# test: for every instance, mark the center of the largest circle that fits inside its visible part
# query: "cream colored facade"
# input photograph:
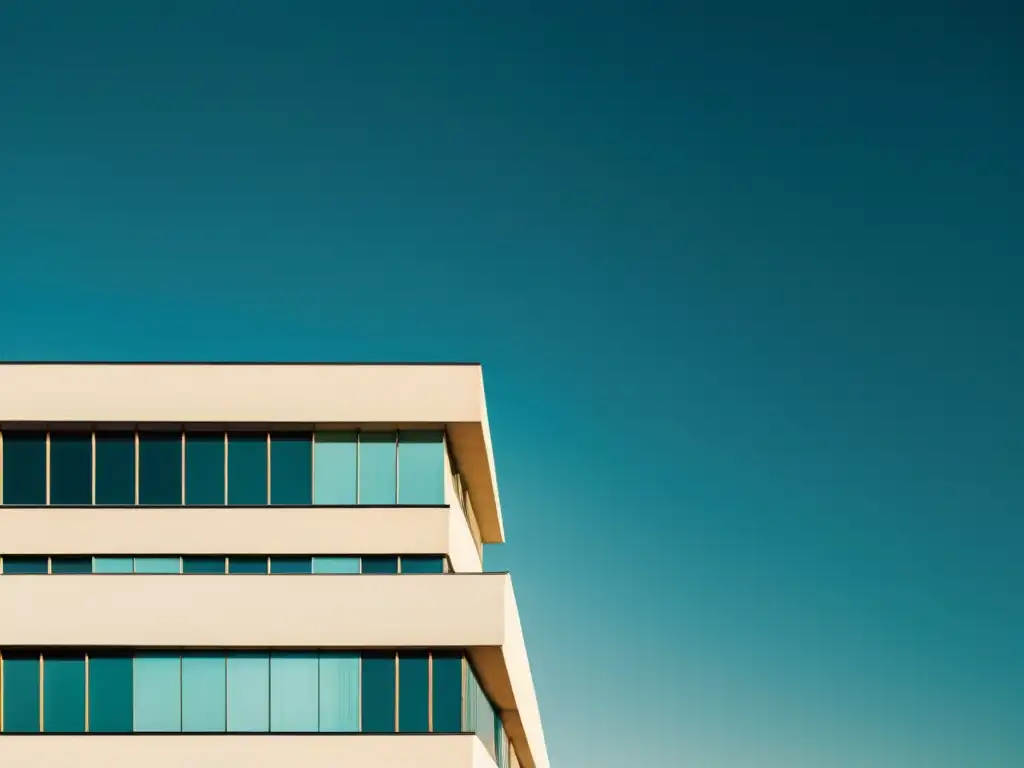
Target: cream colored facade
(466, 609)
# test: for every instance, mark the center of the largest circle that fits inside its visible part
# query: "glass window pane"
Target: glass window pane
(447, 693)
(110, 694)
(378, 564)
(418, 564)
(203, 565)
(248, 692)
(339, 692)
(294, 692)
(21, 564)
(204, 468)
(247, 469)
(24, 468)
(247, 564)
(115, 468)
(203, 692)
(113, 565)
(157, 565)
(70, 565)
(378, 685)
(70, 468)
(291, 565)
(157, 692)
(291, 468)
(413, 693)
(335, 465)
(335, 565)
(21, 692)
(378, 478)
(160, 469)
(420, 467)
(64, 694)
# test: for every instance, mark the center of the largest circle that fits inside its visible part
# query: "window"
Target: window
(378, 564)
(294, 692)
(378, 475)
(339, 692)
(115, 468)
(71, 468)
(24, 468)
(378, 686)
(160, 469)
(113, 565)
(21, 692)
(248, 692)
(70, 565)
(291, 565)
(447, 693)
(110, 694)
(335, 565)
(335, 468)
(420, 467)
(204, 468)
(23, 564)
(247, 469)
(417, 564)
(203, 565)
(413, 693)
(157, 565)
(203, 692)
(247, 564)
(64, 694)
(291, 468)
(157, 692)
(479, 712)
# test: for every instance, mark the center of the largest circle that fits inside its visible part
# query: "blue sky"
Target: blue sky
(745, 279)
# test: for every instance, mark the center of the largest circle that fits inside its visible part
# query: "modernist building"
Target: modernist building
(255, 566)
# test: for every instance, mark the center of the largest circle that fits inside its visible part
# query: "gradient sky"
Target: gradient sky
(745, 278)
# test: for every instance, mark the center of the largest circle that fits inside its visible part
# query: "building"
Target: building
(255, 565)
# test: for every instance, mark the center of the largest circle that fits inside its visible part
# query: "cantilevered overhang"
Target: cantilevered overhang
(318, 396)
(475, 612)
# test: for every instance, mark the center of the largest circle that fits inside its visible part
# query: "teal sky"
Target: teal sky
(745, 278)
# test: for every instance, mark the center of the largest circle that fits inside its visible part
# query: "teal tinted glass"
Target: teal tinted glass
(70, 565)
(115, 468)
(378, 470)
(378, 686)
(113, 565)
(64, 694)
(157, 565)
(413, 692)
(157, 692)
(335, 468)
(247, 564)
(339, 692)
(70, 468)
(248, 692)
(291, 468)
(110, 694)
(21, 693)
(247, 469)
(335, 565)
(447, 693)
(24, 468)
(380, 564)
(291, 565)
(420, 467)
(24, 564)
(204, 468)
(203, 692)
(160, 469)
(294, 692)
(203, 565)
(419, 564)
